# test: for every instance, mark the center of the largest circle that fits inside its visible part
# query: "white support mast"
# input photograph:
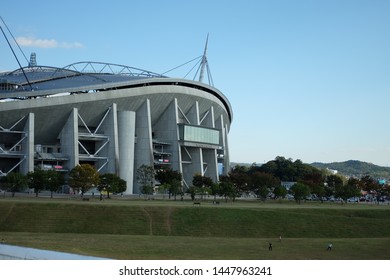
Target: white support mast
(204, 61)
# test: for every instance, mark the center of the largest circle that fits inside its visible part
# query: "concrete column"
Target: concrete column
(69, 136)
(210, 157)
(209, 119)
(220, 124)
(226, 151)
(126, 140)
(143, 131)
(166, 129)
(196, 165)
(28, 145)
(193, 114)
(111, 150)
(144, 145)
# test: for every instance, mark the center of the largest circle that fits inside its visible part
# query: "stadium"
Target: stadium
(114, 117)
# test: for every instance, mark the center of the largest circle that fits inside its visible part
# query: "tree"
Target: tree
(44, 179)
(227, 188)
(385, 190)
(83, 178)
(262, 183)
(300, 191)
(287, 170)
(369, 184)
(192, 191)
(239, 176)
(111, 183)
(175, 188)
(333, 182)
(314, 179)
(171, 180)
(147, 190)
(318, 190)
(280, 191)
(351, 189)
(53, 180)
(197, 181)
(167, 175)
(36, 180)
(282, 168)
(262, 192)
(203, 183)
(215, 189)
(15, 182)
(145, 177)
(207, 184)
(120, 185)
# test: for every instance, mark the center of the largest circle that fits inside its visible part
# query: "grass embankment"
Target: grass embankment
(179, 230)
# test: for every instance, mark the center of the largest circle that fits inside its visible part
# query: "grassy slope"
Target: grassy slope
(168, 230)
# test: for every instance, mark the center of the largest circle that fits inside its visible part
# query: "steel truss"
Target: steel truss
(14, 151)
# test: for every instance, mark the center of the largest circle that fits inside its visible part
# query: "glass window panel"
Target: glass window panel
(199, 134)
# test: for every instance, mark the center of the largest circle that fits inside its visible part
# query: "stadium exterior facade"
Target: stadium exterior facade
(114, 117)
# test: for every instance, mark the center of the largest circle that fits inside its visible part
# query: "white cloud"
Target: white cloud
(46, 43)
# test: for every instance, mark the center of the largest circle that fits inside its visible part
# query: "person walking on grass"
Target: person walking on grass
(330, 246)
(270, 247)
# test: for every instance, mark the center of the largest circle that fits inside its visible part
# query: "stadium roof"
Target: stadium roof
(84, 77)
(29, 81)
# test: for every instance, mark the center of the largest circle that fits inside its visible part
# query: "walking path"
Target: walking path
(11, 252)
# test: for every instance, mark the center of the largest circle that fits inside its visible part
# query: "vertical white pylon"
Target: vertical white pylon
(204, 61)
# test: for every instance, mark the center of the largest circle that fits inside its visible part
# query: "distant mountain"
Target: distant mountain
(356, 168)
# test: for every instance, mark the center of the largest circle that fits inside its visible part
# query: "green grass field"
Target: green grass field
(162, 229)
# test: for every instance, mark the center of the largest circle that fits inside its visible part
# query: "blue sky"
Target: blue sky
(307, 79)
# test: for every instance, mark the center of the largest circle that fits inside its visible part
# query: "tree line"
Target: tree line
(81, 179)
(263, 182)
